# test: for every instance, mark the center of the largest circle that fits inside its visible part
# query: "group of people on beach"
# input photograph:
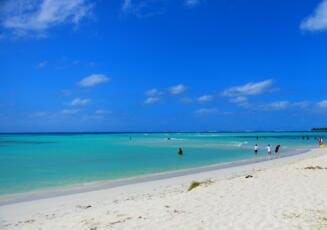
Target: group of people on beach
(320, 140)
(268, 148)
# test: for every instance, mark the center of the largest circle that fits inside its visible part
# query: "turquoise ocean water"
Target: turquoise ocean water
(30, 162)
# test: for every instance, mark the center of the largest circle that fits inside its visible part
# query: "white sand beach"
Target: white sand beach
(288, 193)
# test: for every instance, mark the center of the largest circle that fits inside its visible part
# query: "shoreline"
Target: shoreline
(115, 183)
(286, 193)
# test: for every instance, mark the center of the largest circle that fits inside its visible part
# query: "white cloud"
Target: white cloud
(177, 89)
(153, 92)
(69, 111)
(238, 100)
(317, 21)
(251, 88)
(322, 104)
(42, 64)
(206, 111)
(151, 100)
(37, 16)
(302, 104)
(94, 80)
(278, 105)
(103, 112)
(80, 102)
(192, 3)
(205, 98)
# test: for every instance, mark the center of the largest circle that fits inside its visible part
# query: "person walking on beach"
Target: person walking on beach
(256, 149)
(269, 150)
(277, 150)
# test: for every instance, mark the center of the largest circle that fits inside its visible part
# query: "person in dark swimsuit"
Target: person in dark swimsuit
(277, 149)
(180, 152)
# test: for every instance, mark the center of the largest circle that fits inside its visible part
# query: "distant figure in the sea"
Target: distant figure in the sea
(168, 138)
(321, 141)
(256, 149)
(257, 137)
(277, 150)
(303, 137)
(269, 150)
(180, 152)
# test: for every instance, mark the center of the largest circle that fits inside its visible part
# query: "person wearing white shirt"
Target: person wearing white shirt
(269, 150)
(256, 149)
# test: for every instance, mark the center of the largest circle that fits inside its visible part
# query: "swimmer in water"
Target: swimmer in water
(180, 152)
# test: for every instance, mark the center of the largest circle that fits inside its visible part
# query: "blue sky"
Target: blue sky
(157, 65)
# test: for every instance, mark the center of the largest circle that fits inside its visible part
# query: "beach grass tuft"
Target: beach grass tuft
(196, 184)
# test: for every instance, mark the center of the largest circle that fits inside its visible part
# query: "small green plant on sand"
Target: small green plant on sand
(195, 184)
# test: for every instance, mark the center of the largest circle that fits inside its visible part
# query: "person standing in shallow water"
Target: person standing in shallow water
(277, 150)
(269, 150)
(256, 149)
(180, 152)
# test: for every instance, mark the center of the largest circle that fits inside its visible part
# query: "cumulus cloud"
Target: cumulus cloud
(177, 89)
(251, 88)
(206, 111)
(322, 104)
(204, 98)
(302, 104)
(241, 100)
(80, 102)
(154, 92)
(37, 16)
(151, 100)
(318, 20)
(278, 105)
(93, 80)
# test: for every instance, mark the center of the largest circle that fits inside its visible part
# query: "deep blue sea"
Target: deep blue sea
(30, 162)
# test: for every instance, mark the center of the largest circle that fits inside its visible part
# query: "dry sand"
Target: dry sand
(288, 193)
